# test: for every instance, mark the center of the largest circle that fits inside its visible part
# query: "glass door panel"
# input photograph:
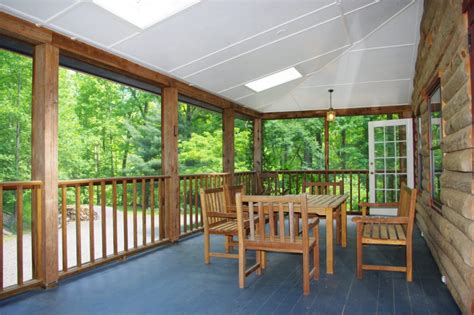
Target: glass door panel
(390, 160)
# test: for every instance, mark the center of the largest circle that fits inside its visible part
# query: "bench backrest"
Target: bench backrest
(406, 206)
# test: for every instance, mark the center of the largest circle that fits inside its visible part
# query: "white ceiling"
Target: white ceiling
(364, 49)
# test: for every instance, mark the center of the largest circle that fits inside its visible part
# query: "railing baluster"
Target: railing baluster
(78, 226)
(64, 226)
(144, 210)
(350, 196)
(114, 216)
(134, 205)
(161, 220)
(191, 203)
(19, 234)
(1, 237)
(358, 191)
(91, 222)
(125, 215)
(196, 202)
(152, 209)
(103, 217)
(185, 206)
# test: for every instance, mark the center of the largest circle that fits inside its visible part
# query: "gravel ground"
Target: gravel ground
(10, 244)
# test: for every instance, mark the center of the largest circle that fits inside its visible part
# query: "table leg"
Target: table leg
(329, 242)
(344, 224)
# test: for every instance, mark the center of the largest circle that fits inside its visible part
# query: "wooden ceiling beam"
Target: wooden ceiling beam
(377, 110)
(26, 31)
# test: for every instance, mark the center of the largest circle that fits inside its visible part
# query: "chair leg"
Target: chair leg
(227, 246)
(306, 277)
(359, 250)
(409, 249)
(316, 253)
(241, 267)
(206, 247)
(263, 260)
(258, 256)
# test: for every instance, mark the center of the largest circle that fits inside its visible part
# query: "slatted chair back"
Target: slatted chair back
(230, 192)
(261, 207)
(213, 206)
(324, 188)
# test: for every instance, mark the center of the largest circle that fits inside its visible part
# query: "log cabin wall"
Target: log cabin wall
(443, 54)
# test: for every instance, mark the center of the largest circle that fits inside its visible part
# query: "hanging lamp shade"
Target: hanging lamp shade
(331, 113)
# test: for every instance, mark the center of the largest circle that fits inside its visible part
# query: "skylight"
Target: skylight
(274, 80)
(145, 13)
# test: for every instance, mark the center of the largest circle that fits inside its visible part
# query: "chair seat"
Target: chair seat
(224, 227)
(228, 227)
(384, 233)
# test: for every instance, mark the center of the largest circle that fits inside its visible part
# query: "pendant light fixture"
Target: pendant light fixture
(331, 113)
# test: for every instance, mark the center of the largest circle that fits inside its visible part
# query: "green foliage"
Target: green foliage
(293, 144)
(15, 116)
(243, 145)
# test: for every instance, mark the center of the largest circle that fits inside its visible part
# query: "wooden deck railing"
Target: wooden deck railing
(129, 218)
(190, 205)
(356, 183)
(12, 197)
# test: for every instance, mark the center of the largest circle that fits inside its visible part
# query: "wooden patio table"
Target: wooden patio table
(325, 205)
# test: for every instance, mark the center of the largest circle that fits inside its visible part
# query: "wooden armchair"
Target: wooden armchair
(218, 220)
(389, 231)
(269, 184)
(278, 237)
(328, 188)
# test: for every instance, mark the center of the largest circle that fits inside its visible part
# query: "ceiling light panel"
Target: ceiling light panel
(274, 80)
(145, 13)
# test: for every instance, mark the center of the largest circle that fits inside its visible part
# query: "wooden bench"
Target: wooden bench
(396, 231)
(279, 237)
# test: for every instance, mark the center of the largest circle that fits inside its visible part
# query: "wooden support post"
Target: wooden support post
(326, 148)
(45, 155)
(228, 143)
(257, 148)
(169, 147)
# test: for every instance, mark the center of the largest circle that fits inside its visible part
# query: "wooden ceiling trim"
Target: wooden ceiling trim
(17, 28)
(378, 110)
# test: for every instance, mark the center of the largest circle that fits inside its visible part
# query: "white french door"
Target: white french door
(390, 161)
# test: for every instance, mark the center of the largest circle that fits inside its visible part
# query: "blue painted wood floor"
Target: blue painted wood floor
(174, 280)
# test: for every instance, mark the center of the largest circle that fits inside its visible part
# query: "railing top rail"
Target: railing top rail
(362, 171)
(203, 175)
(108, 180)
(23, 184)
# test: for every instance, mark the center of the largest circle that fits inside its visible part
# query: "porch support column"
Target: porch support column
(169, 149)
(257, 147)
(44, 160)
(228, 143)
(326, 148)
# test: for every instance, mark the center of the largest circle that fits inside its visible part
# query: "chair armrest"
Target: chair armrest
(392, 220)
(222, 215)
(313, 222)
